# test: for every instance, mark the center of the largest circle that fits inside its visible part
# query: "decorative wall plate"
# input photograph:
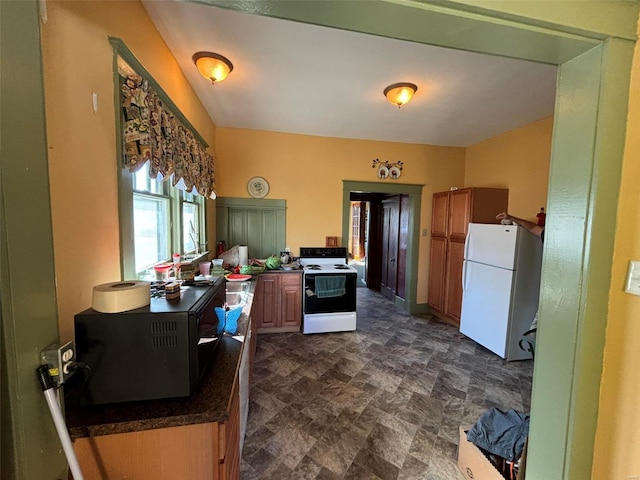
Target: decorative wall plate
(258, 187)
(383, 172)
(394, 173)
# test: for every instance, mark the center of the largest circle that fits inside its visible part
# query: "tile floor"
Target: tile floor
(383, 402)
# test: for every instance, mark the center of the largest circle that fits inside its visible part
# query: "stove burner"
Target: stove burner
(314, 267)
(341, 267)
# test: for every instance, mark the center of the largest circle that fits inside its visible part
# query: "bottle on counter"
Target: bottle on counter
(541, 217)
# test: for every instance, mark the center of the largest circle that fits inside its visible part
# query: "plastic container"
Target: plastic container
(217, 263)
(205, 268)
(162, 271)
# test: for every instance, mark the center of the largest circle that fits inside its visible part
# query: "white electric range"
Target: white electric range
(329, 285)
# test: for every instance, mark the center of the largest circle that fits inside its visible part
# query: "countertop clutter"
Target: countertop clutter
(209, 404)
(198, 437)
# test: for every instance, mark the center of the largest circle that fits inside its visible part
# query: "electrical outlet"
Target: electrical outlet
(58, 359)
(632, 285)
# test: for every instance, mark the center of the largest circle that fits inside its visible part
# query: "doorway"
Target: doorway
(381, 262)
(358, 240)
(373, 194)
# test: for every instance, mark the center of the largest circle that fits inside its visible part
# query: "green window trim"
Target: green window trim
(125, 178)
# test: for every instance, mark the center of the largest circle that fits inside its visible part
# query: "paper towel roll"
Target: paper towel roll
(117, 297)
(243, 255)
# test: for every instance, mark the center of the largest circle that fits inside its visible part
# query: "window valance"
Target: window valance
(154, 131)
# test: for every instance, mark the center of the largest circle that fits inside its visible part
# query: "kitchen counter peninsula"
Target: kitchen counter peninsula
(195, 437)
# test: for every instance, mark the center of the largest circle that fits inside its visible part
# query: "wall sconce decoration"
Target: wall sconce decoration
(212, 66)
(387, 169)
(400, 93)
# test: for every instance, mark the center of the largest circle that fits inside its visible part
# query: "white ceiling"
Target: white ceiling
(299, 78)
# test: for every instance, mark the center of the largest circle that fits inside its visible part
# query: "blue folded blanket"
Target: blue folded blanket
(330, 286)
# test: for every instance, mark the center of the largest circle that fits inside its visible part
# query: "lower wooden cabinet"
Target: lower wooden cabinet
(204, 451)
(229, 440)
(453, 297)
(277, 303)
(437, 287)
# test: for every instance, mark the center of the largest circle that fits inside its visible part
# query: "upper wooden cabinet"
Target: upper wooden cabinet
(440, 214)
(452, 212)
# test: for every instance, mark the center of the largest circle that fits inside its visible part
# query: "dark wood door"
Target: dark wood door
(403, 242)
(389, 257)
(374, 244)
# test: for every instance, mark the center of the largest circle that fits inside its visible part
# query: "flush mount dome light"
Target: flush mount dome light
(400, 93)
(212, 66)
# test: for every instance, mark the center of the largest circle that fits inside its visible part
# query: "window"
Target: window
(190, 222)
(151, 221)
(164, 220)
(157, 217)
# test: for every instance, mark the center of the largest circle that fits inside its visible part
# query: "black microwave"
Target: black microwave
(159, 351)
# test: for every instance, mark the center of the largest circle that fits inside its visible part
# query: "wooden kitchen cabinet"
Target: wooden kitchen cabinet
(277, 305)
(452, 211)
(203, 451)
(437, 273)
(229, 440)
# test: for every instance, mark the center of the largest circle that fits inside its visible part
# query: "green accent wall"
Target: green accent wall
(30, 446)
(258, 223)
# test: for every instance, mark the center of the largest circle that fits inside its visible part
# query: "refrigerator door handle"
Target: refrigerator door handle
(464, 274)
(466, 244)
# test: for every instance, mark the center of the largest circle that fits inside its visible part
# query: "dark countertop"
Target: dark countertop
(209, 404)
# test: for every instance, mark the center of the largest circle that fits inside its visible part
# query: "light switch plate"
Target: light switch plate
(633, 278)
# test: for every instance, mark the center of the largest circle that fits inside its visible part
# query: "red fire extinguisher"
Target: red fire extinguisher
(541, 217)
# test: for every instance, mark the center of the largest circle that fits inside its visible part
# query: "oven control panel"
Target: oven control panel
(323, 252)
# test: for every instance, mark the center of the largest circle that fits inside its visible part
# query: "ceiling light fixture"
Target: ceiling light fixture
(212, 66)
(400, 93)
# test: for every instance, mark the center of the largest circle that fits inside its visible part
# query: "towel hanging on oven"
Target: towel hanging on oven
(330, 286)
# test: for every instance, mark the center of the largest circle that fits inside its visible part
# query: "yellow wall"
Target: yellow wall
(78, 60)
(617, 448)
(517, 160)
(308, 172)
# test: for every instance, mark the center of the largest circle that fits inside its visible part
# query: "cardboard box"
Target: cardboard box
(473, 463)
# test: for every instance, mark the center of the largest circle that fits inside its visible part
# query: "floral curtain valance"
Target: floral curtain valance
(152, 133)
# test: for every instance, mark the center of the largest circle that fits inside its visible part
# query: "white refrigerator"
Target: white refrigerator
(501, 286)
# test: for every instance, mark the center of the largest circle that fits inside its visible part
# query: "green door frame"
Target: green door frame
(593, 46)
(30, 448)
